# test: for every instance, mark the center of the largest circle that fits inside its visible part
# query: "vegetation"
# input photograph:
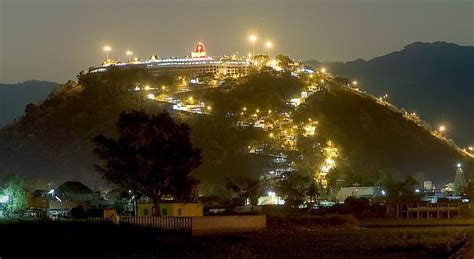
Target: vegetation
(153, 157)
(371, 138)
(13, 189)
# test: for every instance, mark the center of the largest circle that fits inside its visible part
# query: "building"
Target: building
(199, 63)
(356, 192)
(426, 210)
(459, 180)
(171, 209)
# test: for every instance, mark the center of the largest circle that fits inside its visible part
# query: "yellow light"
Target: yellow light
(322, 80)
(107, 48)
(323, 70)
(147, 87)
(249, 55)
(311, 76)
(442, 128)
(269, 111)
(257, 110)
(245, 108)
(271, 135)
(129, 53)
(163, 87)
(354, 82)
(252, 38)
(151, 96)
(209, 108)
(269, 44)
(190, 98)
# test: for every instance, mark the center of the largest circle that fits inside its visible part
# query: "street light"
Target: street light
(253, 38)
(323, 70)
(107, 49)
(269, 45)
(354, 83)
(163, 88)
(459, 165)
(129, 53)
(442, 128)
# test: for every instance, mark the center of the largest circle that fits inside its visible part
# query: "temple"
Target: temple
(199, 63)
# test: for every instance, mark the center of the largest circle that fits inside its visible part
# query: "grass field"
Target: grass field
(86, 239)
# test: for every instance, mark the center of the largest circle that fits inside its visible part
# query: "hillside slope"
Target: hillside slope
(53, 138)
(14, 97)
(435, 80)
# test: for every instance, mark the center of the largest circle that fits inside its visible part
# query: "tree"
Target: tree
(153, 156)
(295, 188)
(245, 188)
(284, 61)
(14, 190)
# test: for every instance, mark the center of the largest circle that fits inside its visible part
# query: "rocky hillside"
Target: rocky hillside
(435, 80)
(53, 138)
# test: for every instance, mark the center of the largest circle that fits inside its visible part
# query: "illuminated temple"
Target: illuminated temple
(198, 63)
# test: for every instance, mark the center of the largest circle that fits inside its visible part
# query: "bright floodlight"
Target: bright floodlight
(129, 53)
(442, 128)
(459, 165)
(269, 44)
(252, 38)
(323, 70)
(107, 48)
(354, 82)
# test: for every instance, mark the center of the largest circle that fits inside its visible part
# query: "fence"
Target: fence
(172, 223)
(195, 225)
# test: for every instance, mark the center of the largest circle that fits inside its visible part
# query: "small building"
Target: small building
(426, 210)
(171, 209)
(356, 192)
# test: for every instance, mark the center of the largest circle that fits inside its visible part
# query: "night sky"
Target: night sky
(55, 39)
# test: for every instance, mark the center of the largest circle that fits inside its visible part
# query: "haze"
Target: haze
(54, 40)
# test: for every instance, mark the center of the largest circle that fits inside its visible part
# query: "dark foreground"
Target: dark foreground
(82, 239)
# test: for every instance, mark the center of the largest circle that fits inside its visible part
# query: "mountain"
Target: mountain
(53, 138)
(435, 80)
(14, 97)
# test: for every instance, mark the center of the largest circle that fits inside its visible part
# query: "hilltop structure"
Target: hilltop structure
(198, 63)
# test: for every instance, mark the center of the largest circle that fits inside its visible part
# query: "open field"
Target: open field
(85, 239)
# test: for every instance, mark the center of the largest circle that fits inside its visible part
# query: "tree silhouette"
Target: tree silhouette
(153, 156)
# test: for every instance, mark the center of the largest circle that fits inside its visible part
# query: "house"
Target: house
(171, 209)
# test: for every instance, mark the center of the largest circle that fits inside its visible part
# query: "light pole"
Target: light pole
(107, 49)
(163, 88)
(129, 54)
(269, 45)
(253, 38)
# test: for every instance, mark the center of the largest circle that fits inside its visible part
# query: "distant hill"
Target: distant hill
(14, 97)
(53, 138)
(435, 80)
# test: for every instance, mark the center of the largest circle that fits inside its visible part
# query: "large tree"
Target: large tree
(14, 190)
(245, 188)
(153, 156)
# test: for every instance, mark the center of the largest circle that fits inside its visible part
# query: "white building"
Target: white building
(356, 192)
(199, 63)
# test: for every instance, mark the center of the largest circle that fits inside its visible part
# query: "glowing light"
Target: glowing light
(323, 70)
(442, 128)
(459, 165)
(269, 44)
(129, 53)
(107, 48)
(151, 96)
(147, 87)
(270, 135)
(257, 111)
(354, 83)
(383, 192)
(252, 38)
(191, 99)
(245, 108)
(209, 108)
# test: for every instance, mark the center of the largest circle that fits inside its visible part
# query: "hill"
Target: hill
(53, 138)
(435, 80)
(14, 97)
